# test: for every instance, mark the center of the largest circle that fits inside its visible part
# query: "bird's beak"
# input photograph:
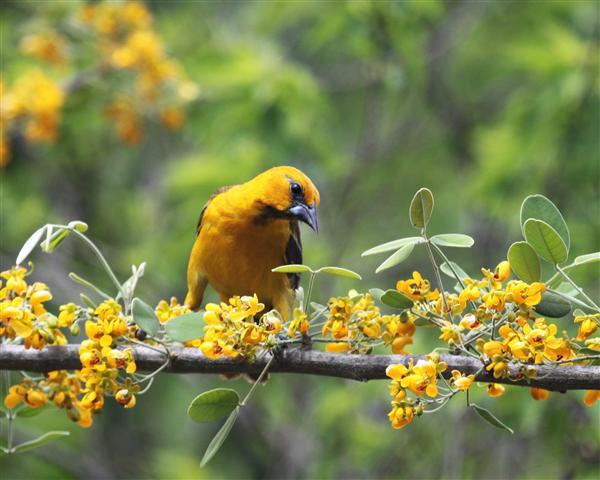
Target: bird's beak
(306, 214)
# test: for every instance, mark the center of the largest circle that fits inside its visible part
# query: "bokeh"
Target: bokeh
(483, 102)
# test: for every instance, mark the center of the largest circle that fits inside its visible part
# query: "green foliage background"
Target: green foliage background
(483, 102)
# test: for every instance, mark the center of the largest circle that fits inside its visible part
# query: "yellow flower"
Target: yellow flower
(416, 287)
(125, 398)
(399, 343)
(450, 332)
(68, 314)
(271, 322)
(460, 381)
(15, 280)
(495, 389)
(48, 46)
(590, 397)
(167, 311)
(524, 294)
(502, 271)
(299, 323)
(337, 347)
(588, 324)
(593, 344)
(470, 322)
(494, 300)
(396, 371)
(247, 307)
(539, 393)
(401, 415)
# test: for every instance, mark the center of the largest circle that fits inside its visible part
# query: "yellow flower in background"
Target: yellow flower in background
(48, 46)
(495, 390)
(539, 393)
(494, 300)
(337, 347)
(451, 333)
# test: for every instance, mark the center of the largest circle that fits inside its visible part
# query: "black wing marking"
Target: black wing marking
(217, 192)
(293, 252)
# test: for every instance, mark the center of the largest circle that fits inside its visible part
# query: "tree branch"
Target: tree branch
(312, 362)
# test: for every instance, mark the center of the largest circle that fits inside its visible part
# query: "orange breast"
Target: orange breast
(237, 254)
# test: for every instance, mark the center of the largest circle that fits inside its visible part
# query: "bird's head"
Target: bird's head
(286, 192)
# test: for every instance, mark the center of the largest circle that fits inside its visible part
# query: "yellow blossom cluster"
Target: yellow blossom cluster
(34, 102)
(126, 41)
(237, 328)
(418, 379)
(122, 34)
(166, 311)
(23, 314)
(356, 324)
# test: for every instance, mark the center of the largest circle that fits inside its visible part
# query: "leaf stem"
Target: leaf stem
(437, 274)
(258, 380)
(576, 287)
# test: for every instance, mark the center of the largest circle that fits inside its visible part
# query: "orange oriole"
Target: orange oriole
(246, 230)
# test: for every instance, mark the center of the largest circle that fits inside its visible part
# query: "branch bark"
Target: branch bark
(311, 362)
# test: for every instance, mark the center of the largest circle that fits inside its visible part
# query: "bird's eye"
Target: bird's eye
(296, 188)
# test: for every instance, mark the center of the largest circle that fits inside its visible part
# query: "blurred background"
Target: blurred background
(128, 115)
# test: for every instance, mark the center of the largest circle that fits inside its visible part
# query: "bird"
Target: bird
(246, 230)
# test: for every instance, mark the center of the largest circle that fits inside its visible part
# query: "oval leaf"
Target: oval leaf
(524, 262)
(340, 272)
(539, 207)
(421, 207)
(32, 412)
(447, 269)
(144, 316)
(396, 258)
(214, 404)
(185, 327)
(220, 437)
(38, 442)
(491, 418)
(545, 241)
(453, 240)
(376, 293)
(30, 244)
(293, 268)
(395, 299)
(553, 306)
(393, 245)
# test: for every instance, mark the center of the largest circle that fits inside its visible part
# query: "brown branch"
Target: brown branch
(312, 362)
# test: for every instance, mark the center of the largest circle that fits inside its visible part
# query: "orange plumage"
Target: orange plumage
(245, 231)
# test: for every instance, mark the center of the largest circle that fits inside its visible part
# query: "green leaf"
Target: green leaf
(30, 244)
(395, 299)
(292, 268)
(376, 293)
(393, 245)
(491, 418)
(421, 207)
(539, 207)
(340, 272)
(144, 316)
(553, 306)
(588, 258)
(567, 288)
(421, 322)
(38, 442)
(220, 437)
(545, 241)
(457, 240)
(396, 258)
(524, 262)
(185, 327)
(214, 404)
(28, 412)
(444, 267)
